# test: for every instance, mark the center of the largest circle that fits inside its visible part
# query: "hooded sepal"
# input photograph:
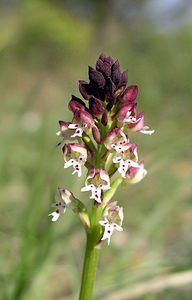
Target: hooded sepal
(116, 140)
(135, 174)
(76, 104)
(65, 132)
(130, 94)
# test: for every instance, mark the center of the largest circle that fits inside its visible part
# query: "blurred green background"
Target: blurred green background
(45, 48)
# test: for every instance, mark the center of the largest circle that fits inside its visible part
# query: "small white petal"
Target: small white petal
(58, 133)
(55, 216)
(77, 169)
(69, 163)
(105, 187)
(132, 163)
(96, 194)
(73, 126)
(107, 233)
(117, 227)
(86, 188)
(131, 120)
(78, 132)
(146, 130)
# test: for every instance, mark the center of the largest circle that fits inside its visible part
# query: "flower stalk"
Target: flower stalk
(98, 139)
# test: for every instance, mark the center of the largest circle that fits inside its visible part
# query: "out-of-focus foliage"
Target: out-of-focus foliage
(45, 48)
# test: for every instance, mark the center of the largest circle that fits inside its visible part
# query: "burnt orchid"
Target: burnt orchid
(98, 138)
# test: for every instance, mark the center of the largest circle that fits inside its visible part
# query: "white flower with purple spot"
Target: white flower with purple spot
(113, 218)
(78, 129)
(97, 182)
(64, 201)
(126, 159)
(75, 155)
(116, 140)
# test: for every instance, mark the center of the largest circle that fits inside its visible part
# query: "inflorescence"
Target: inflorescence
(97, 139)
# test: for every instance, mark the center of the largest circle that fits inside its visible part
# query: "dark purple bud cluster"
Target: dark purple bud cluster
(106, 84)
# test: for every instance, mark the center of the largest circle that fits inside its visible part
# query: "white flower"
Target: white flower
(108, 230)
(65, 201)
(113, 218)
(126, 159)
(124, 165)
(116, 140)
(75, 155)
(96, 182)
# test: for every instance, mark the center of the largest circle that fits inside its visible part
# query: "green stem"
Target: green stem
(91, 256)
(89, 270)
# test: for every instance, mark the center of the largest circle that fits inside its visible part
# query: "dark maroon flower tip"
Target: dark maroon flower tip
(96, 77)
(111, 103)
(76, 104)
(109, 89)
(130, 93)
(104, 118)
(104, 64)
(115, 73)
(96, 106)
(85, 89)
(102, 56)
(103, 67)
(96, 135)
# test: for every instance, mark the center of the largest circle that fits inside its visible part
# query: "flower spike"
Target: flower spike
(99, 138)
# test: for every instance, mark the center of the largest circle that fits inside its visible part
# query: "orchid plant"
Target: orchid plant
(98, 139)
